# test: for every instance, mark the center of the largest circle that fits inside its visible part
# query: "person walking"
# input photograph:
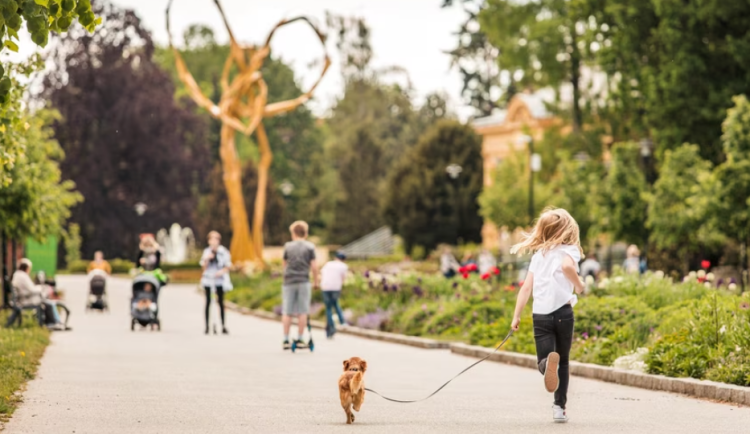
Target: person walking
(216, 262)
(632, 264)
(552, 278)
(296, 292)
(332, 277)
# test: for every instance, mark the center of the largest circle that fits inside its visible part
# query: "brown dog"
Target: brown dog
(352, 386)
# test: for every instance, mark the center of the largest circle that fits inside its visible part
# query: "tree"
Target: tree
(126, 138)
(682, 204)
(357, 208)
(37, 202)
(505, 202)
(372, 119)
(41, 17)
(541, 43)
(423, 203)
(476, 60)
(734, 175)
(578, 190)
(677, 64)
(623, 192)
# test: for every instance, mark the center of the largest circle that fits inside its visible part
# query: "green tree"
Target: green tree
(734, 174)
(578, 190)
(369, 115)
(357, 208)
(542, 43)
(506, 201)
(37, 203)
(674, 66)
(41, 17)
(72, 242)
(683, 203)
(421, 194)
(624, 186)
(476, 60)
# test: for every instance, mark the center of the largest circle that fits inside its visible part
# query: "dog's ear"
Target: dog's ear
(346, 365)
(363, 365)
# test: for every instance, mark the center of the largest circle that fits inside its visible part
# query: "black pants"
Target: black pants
(220, 297)
(554, 332)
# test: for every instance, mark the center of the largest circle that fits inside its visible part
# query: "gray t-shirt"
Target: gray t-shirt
(298, 254)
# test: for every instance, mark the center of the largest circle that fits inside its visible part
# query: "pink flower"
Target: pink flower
(705, 264)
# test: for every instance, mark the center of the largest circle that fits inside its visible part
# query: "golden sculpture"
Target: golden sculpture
(244, 98)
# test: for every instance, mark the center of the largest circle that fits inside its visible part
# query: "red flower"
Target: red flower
(471, 267)
(705, 264)
(486, 276)
(462, 270)
(520, 283)
(495, 271)
(466, 275)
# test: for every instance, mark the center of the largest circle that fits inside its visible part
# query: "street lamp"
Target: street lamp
(535, 165)
(454, 170)
(286, 187)
(140, 208)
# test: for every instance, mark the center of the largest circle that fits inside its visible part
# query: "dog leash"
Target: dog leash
(510, 333)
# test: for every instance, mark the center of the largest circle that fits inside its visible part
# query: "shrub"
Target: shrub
(602, 316)
(121, 266)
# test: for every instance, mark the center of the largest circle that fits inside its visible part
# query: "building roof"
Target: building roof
(535, 103)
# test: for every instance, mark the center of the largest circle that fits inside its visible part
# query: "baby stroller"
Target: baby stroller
(144, 307)
(97, 291)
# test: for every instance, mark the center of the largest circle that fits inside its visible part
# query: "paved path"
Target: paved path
(103, 378)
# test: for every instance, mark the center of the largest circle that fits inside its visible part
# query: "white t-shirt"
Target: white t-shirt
(332, 275)
(552, 290)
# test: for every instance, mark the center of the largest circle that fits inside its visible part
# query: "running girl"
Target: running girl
(552, 278)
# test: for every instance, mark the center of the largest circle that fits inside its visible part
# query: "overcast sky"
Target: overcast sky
(409, 33)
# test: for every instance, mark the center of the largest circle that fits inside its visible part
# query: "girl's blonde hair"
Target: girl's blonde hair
(553, 228)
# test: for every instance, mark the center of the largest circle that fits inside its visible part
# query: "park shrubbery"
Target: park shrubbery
(690, 328)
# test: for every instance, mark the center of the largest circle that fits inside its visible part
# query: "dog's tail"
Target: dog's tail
(355, 384)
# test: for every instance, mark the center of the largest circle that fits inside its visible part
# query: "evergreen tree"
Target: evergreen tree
(423, 203)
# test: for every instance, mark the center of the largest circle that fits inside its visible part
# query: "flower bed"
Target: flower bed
(685, 329)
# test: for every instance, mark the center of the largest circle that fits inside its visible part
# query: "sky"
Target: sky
(413, 34)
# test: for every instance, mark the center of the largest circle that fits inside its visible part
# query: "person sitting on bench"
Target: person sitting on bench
(29, 295)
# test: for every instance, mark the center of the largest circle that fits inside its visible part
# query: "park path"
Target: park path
(102, 378)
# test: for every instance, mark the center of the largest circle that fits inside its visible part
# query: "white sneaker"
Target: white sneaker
(558, 414)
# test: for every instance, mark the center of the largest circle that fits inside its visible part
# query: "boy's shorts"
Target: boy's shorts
(296, 298)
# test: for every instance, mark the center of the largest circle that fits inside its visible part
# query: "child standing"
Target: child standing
(552, 278)
(332, 279)
(296, 292)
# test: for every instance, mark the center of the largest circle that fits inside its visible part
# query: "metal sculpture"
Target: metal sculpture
(242, 107)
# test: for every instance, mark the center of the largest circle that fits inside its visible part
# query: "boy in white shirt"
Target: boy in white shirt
(332, 275)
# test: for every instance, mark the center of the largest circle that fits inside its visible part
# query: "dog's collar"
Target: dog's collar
(354, 370)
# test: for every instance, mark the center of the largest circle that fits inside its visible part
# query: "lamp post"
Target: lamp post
(646, 147)
(286, 188)
(454, 170)
(140, 209)
(535, 165)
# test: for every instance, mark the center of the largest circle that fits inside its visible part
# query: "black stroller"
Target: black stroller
(97, 299)
(144, 306)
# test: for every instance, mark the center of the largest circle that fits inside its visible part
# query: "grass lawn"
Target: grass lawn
(20, 351)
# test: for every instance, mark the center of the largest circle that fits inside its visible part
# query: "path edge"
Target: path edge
(685, 386)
